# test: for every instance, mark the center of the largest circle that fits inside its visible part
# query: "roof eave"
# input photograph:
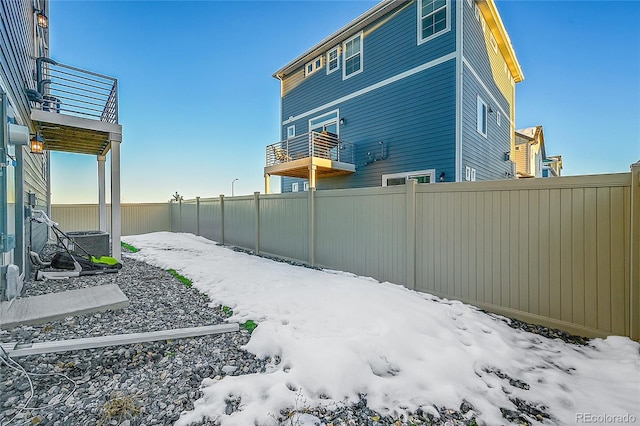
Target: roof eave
(492, 17)
(348, 30)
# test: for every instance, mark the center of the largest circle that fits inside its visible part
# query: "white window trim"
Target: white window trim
(291, 131)
(439, 33)
(409, 175)
(305, 187)
(344, 56)
(467, 173)
(479, 102)
(473, 174)
(337, 50)
(328, 120)
(294, 187)
(314, 68)
(498, 118)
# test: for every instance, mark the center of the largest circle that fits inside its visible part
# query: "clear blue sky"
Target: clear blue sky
(198, 102)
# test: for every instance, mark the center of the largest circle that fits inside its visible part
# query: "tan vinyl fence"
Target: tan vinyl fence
(561, 252)
(136, 218)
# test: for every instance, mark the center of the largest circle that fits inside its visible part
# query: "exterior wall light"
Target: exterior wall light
(343, 121)
(442, 175)
(37, 144)
(42, 19)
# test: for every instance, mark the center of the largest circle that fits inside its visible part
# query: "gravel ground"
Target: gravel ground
(152, 383)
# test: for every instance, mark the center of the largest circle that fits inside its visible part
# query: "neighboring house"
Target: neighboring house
(552, 166)
(531, 157)
(46, 106)
(420, 89)
(530, 151)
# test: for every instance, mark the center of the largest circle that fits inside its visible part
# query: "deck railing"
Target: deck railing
(64, 89)
(312, 144)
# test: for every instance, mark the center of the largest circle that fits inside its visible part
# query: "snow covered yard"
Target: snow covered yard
(340, 336)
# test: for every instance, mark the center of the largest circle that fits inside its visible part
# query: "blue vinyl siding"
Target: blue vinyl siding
(414, 117)
(389, 48)
(486, 155)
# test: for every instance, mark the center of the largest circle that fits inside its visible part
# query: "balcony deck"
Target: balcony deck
(75, 110)
(294, 157)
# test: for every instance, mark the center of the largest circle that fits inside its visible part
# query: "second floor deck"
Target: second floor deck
(325, 152)
(75, 110)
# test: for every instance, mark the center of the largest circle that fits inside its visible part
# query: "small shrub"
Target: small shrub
(119, 407)
(226, 310)
(184, 280)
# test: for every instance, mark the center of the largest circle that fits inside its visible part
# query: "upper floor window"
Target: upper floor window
(291, 131)
(333, 60)
(352, 56)
(433, 18)
(483, 112)
(313, 66)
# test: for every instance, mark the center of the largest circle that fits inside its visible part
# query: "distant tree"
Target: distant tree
(176, 198)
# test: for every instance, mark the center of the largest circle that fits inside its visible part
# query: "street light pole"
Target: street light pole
(232, 182)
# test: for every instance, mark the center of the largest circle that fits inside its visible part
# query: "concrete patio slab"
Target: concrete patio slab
(50, 307)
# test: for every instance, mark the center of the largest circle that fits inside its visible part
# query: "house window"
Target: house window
(333, 60)
(498, 118)
(294, 187)
(421, 176)
(306, 186)
(313, 66)
(494, 44)
(291, 131)
(481, 124)
(473, 174)
(352, 56)
(467, 173)
(433, 18)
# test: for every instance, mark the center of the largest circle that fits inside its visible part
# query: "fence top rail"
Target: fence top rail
(563, 182)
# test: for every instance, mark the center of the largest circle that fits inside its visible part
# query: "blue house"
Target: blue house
(421, 89)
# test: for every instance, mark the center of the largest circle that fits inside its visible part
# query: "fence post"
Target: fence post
(410, 205)
(170, 216)
(180, 215)
(634, 254)
(256, 199)
(312, 226)
(198, 216)
(222, 218)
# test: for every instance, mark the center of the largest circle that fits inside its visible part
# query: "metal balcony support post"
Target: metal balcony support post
(116, 217)
(102, 194)
(312, 176)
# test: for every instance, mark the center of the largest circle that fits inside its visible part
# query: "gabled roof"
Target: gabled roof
(487, 7)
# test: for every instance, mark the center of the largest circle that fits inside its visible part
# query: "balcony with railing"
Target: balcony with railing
(75, 110)
(299, 156)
